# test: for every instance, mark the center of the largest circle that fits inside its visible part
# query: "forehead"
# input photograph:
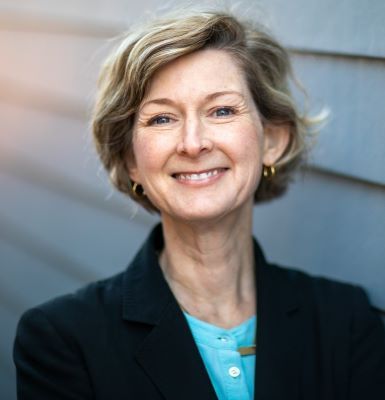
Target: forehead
(197, 74)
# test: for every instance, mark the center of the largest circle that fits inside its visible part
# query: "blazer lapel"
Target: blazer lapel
(170, 357)
(279, 333)
(168, 354)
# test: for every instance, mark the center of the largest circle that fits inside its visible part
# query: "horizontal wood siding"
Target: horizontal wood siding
(353, 27)
(352, 141)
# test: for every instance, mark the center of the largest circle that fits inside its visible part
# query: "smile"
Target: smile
(198, 176)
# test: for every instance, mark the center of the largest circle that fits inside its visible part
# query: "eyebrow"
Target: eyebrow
(211, 96)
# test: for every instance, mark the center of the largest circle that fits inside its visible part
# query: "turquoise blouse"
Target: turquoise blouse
(231, 375)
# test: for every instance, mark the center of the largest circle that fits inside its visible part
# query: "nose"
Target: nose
(194, 139)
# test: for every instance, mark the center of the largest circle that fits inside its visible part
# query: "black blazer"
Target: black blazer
(126, 338)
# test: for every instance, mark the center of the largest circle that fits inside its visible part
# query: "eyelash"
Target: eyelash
(230, 109)
(153, 121)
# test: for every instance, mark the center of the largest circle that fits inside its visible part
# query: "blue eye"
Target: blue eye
(224, 112)
(160, 120)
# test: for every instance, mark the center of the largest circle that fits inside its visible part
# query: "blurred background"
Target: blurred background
(61, 224)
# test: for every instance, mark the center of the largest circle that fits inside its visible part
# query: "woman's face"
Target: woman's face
(198, 141)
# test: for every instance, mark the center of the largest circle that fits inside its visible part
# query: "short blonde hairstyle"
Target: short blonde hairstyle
(127, 73)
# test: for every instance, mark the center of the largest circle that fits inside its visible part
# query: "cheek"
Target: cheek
(149, 154)
(251, 154)
(249, 143)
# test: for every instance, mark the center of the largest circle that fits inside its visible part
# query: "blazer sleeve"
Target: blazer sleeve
(367, 380)
(47, 365)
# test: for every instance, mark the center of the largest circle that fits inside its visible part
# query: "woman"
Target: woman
(194, 121)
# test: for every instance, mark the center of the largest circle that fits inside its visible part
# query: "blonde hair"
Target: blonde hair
(128, 71)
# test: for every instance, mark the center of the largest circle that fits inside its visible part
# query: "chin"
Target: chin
(203, 213)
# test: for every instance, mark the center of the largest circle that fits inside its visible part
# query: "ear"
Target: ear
(132, 169)
(133, 174)
(276, 140)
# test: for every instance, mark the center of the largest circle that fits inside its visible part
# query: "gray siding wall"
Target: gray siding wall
(61, 225)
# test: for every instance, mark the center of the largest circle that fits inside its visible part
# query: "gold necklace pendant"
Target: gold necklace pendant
(247, 350)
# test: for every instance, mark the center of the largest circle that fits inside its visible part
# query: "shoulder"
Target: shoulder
(55, 339)
(320, 289)
(332, 302)
(337, 306)
(80, 311)
(346, 326)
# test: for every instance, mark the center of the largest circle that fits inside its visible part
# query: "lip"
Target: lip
(199, 178)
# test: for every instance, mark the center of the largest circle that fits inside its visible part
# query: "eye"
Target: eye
(223, 112)
(159, 120)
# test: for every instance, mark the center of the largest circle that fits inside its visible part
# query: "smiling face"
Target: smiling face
(198, 141)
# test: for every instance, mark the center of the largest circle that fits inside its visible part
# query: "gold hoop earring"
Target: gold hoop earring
(137, 193)
(269, 171)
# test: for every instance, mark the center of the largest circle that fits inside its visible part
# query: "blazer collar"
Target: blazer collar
(169, 353)
(146, 293)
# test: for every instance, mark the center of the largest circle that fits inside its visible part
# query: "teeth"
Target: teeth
(198, 177)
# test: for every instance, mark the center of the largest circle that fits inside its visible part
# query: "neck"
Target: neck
(210, 268)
